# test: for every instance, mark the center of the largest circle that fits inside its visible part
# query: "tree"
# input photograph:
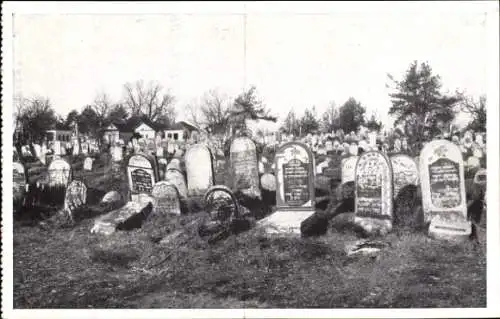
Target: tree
(89, 121)
(248, 106)
(291, 124)
(309, 122)
(418, 104)
(36, 116)
(149, 101)
(351, 115)
(330, 120)
(373, 124)
(72, 117)
(117, 113)
(215, 111)
(476, 109)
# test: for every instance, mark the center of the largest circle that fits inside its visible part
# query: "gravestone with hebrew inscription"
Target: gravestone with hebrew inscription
(76, 196)
(165, 199)
(295, 197)
(373, 199)
(220, 204)
(244, 168)
(198, 161)
(142, 174)
(405, 172)
(443, 190)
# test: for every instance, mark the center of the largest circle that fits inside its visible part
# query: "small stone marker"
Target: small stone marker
(220, 170)
(199, 172)
(87, 163)
(268, 182)
(220, 204)
(76, 196)
(348, 169)
(295, 197)
(244, 169)
(373, 199)
(112, 196)
(405, 172)
(165, 199)
(443, 190)
(142, 173)
(59, 173)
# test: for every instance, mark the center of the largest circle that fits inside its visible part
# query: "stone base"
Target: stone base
(373, 226)
(456, 230)
(284, 222)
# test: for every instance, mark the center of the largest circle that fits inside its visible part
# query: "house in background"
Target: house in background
(180, 131)
(118, 131)
(58, 135)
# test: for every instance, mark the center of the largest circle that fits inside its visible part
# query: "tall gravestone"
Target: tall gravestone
(199, 172)
(142, 173)
(373, 199)
(443, 190)
(165, 199)
(244, 167)
(87, 163)
(76, 196)
(295, 197)
(19, 184)
(405, 172)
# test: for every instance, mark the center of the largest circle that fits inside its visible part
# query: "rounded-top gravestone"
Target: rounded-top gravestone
(142, 173)
(59, 173)
(198, 161)
(221, 204)
(165, 199)
(76, 196)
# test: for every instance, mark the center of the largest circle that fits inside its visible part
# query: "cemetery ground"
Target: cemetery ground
(65, 266)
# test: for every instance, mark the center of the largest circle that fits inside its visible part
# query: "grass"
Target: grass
(70, 268)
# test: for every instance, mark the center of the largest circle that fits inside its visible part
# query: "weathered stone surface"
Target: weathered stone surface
(268, 182)
(244, 168)
(112, 196)
(199, 169)
(107, 224)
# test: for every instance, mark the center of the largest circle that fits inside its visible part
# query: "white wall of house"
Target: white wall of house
(176, 135)
(145, 131)
(59, 135)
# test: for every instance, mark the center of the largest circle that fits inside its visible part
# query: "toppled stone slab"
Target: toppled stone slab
(368, 248)
(284, 222)
(107, 224)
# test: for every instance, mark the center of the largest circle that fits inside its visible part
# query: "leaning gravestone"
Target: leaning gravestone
(244, 168)
(373, 199)
(405, 172)
(443, 190)
(165, 199)
(87, 163)
(19, 183)
(76, 196)
(295, 197)
(199, 173)
(59, 173)
(142, 173)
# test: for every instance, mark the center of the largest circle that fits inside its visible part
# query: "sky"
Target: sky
(294, 60)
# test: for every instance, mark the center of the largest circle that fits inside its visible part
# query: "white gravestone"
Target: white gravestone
(443, 190)
(348, 169)
(199, 169)
(405, 172)
(59, 173)
(87, 163)
(165, 199)
(176, 178)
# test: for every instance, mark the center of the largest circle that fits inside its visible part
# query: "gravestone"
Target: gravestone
(295, 197)
(87, 163)
(405, 172)
(165, 199)
(220, 169)
(443, 190)
(480, 177)
(142, 173)
(244, 169)
(220, 204)
(348, 169)
(198, 161)
(329, 146)
(19, 184)
(111, 196)
(59, 173)
(333, 168)
(76, 196)
(373, 199)
(176, 178)
(117, 153)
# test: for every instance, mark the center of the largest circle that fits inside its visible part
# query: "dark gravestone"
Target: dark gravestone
(142, 173)
(19, 182)
(373, 193)
(76, 196)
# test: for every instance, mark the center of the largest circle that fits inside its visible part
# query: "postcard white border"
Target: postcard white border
(493, 237)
